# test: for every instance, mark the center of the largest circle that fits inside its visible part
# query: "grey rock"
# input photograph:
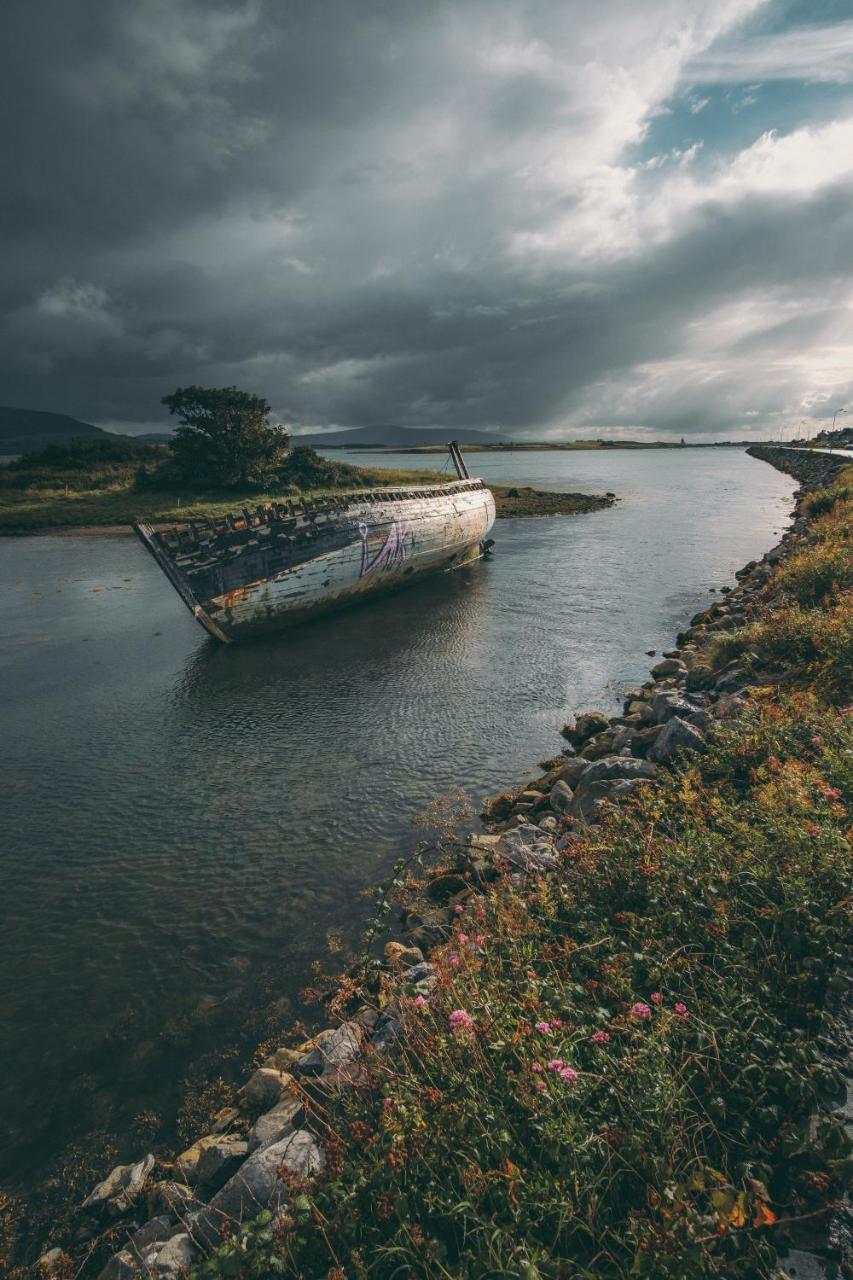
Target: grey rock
(212, 1159)
(732, 680)
(153, 1232)
(170, 1260)
(387, 1033)
(121, 1188)
(668, 667)
(800, 1265)
(699, 677)
(273, 1125)
(586, 725)
(668, 704)
(418, 972)
(263, 1088)
(257, 1186)
(701, 720)
(572, 771)
(729, 705)
(342, 1046)
(677, 735)
(548, 823)
(611, 767)
(588, 799)
(121, 1266)
(560, 797)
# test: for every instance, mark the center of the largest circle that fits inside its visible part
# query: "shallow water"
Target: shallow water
(184, 822)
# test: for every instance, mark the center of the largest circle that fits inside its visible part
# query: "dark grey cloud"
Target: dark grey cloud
(412, 213)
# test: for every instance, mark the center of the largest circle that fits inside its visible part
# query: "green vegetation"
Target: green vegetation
(224, 438)
(107, 483)
(614, 1072)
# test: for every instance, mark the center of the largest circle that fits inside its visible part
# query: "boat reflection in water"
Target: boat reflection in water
(279, 563)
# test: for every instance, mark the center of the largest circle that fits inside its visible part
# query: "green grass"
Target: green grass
(108, 496)
(677, 964)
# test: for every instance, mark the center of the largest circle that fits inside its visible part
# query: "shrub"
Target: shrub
(817, 573)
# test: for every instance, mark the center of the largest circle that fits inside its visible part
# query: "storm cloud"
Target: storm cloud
(545, 218)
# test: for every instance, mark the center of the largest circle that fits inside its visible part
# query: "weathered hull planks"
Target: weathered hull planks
(278, 565)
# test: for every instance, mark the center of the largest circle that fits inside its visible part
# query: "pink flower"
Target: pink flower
(539, 1084)
(531, 973)
(460, 1021)
(556, 1023)
(568, 1075)
(831, 793)
(556, 1064)
(640, 1010)
(599, 1037)
(536, 1066)
(462, 939)
(420, 1002)
(681, 1010)
(543, 1028)
(459, 908)
(817, 742)
(656, 997)
(479, 939)
(454, 960)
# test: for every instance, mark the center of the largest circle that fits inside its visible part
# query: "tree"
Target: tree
(224, 437)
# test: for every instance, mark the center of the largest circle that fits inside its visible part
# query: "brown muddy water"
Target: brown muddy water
(184, 823)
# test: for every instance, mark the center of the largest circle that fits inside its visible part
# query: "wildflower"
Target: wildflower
(656, 997)
(420, 1002)
(681, 1010)
(543, 1028)
(556, 1023)
(568, 1075)
(536, 1066)
(556, 1064)
(531, 973)
(539, 1084)
(640, 1010)
(831, 793)
(479, 939)
(460, 1021)
(462, 939)
(599, 1037)
(817, 742)
(454, 960)
(459, 908)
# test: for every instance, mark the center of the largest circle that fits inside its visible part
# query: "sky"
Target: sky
(547, 218)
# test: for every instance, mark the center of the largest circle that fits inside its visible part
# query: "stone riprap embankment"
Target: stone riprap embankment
(258, 1150)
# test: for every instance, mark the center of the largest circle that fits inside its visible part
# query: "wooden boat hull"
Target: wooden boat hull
(280, 564)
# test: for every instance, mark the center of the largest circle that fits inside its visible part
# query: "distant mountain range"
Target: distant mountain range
(393, 437)
(24, 429)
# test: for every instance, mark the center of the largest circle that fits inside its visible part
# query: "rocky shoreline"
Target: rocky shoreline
(167, 1216)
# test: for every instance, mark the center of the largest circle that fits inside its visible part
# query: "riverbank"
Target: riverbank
(518, 959)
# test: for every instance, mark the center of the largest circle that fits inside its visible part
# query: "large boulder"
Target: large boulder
(670, 703)
(342, 1046)
(588, 799)
(120, 1189)
(668, 667)
(572, 770)
(264, 1088)
(274, 1125)
(257, 1185)
(560, 797)
(211, 1160)
(611, 767)
(586, 725)
(677, 735)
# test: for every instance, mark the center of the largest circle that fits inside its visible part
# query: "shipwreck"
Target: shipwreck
(280, 563)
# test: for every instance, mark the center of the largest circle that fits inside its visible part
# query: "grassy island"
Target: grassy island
(101, 486)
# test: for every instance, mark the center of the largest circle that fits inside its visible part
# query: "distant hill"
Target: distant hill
(394, 437)
(24, 429)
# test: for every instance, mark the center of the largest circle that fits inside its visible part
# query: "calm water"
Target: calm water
(183, 822)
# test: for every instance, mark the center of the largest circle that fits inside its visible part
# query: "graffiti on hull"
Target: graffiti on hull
(392, 549)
